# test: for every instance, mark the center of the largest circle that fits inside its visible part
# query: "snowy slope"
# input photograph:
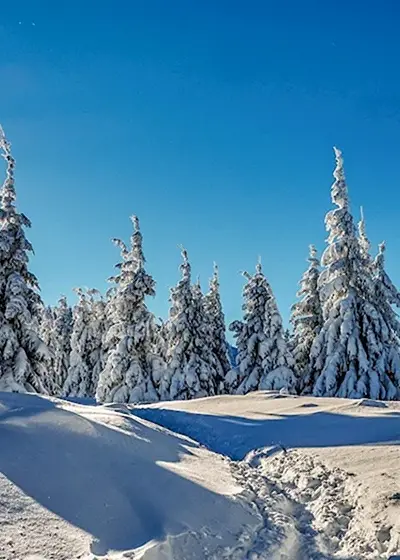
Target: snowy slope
(336, 461)
(78, 481)
(312, 479)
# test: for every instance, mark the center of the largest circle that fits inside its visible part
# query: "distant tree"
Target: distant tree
(46, 325)
(385, 296)
(190, 369)
(263, 359)
(128, 371)
(78, 381)
(24, 357)
(60, 341)
(215, 318)
(97, 330)
(306, 319)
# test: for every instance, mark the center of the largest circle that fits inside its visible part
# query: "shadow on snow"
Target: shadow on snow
(105, 480)
(235, 436)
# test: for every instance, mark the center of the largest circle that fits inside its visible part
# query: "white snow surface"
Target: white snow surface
(332, 465)
(262, 476)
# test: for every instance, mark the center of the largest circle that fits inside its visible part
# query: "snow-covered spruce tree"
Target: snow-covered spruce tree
(159, 350)
(97, 330)
(349, 355)
(24, 358)
(263, 360)
(215, 318)
(60, 341)
(387, 296)
(128, 372)
(46, 325)
(191, 369)
(306, 318)
(160, 338)
(78, 381)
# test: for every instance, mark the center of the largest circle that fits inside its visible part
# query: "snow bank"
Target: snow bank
(79, 481)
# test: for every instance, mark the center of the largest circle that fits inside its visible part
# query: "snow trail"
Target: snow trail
(306, 511)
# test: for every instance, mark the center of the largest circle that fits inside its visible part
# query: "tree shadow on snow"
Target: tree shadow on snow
(235, 436)
(104, 480)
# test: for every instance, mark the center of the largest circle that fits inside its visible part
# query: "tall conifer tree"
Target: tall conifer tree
(215, 318)
(348, 356)
(128, 372)
(306, 319)
(25, 360)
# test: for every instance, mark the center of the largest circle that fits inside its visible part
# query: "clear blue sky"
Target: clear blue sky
(214, 121)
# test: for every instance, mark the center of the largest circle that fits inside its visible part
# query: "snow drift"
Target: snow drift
(80, 478)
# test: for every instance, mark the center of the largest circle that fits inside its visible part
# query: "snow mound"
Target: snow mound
(81, 481)
(372, 403)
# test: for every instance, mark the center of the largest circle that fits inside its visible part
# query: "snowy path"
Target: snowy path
(305, 511)
(309, 508)
(318, 509)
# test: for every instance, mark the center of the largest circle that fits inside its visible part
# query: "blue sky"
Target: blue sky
(214, 121)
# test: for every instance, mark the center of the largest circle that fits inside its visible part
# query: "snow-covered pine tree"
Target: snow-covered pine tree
(384, 352)
(46, 325)
(78, 381)
(128, 372)
(348, 357)
(386, 296)
(97, 330)
(263, 360)
(160, 338)
(215, 318)
(60, 342)
(204, 342)
(386, 291)
(158, 349)
(24, 358)
(306, 318)
(190, 371)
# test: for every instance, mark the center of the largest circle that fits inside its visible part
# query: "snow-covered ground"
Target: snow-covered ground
(263, 476)
(333, 464)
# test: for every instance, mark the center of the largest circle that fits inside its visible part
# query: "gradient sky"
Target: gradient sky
(214, 121)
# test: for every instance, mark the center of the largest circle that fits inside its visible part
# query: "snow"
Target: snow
(79, 481)
(261, 476)
(334, 460)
